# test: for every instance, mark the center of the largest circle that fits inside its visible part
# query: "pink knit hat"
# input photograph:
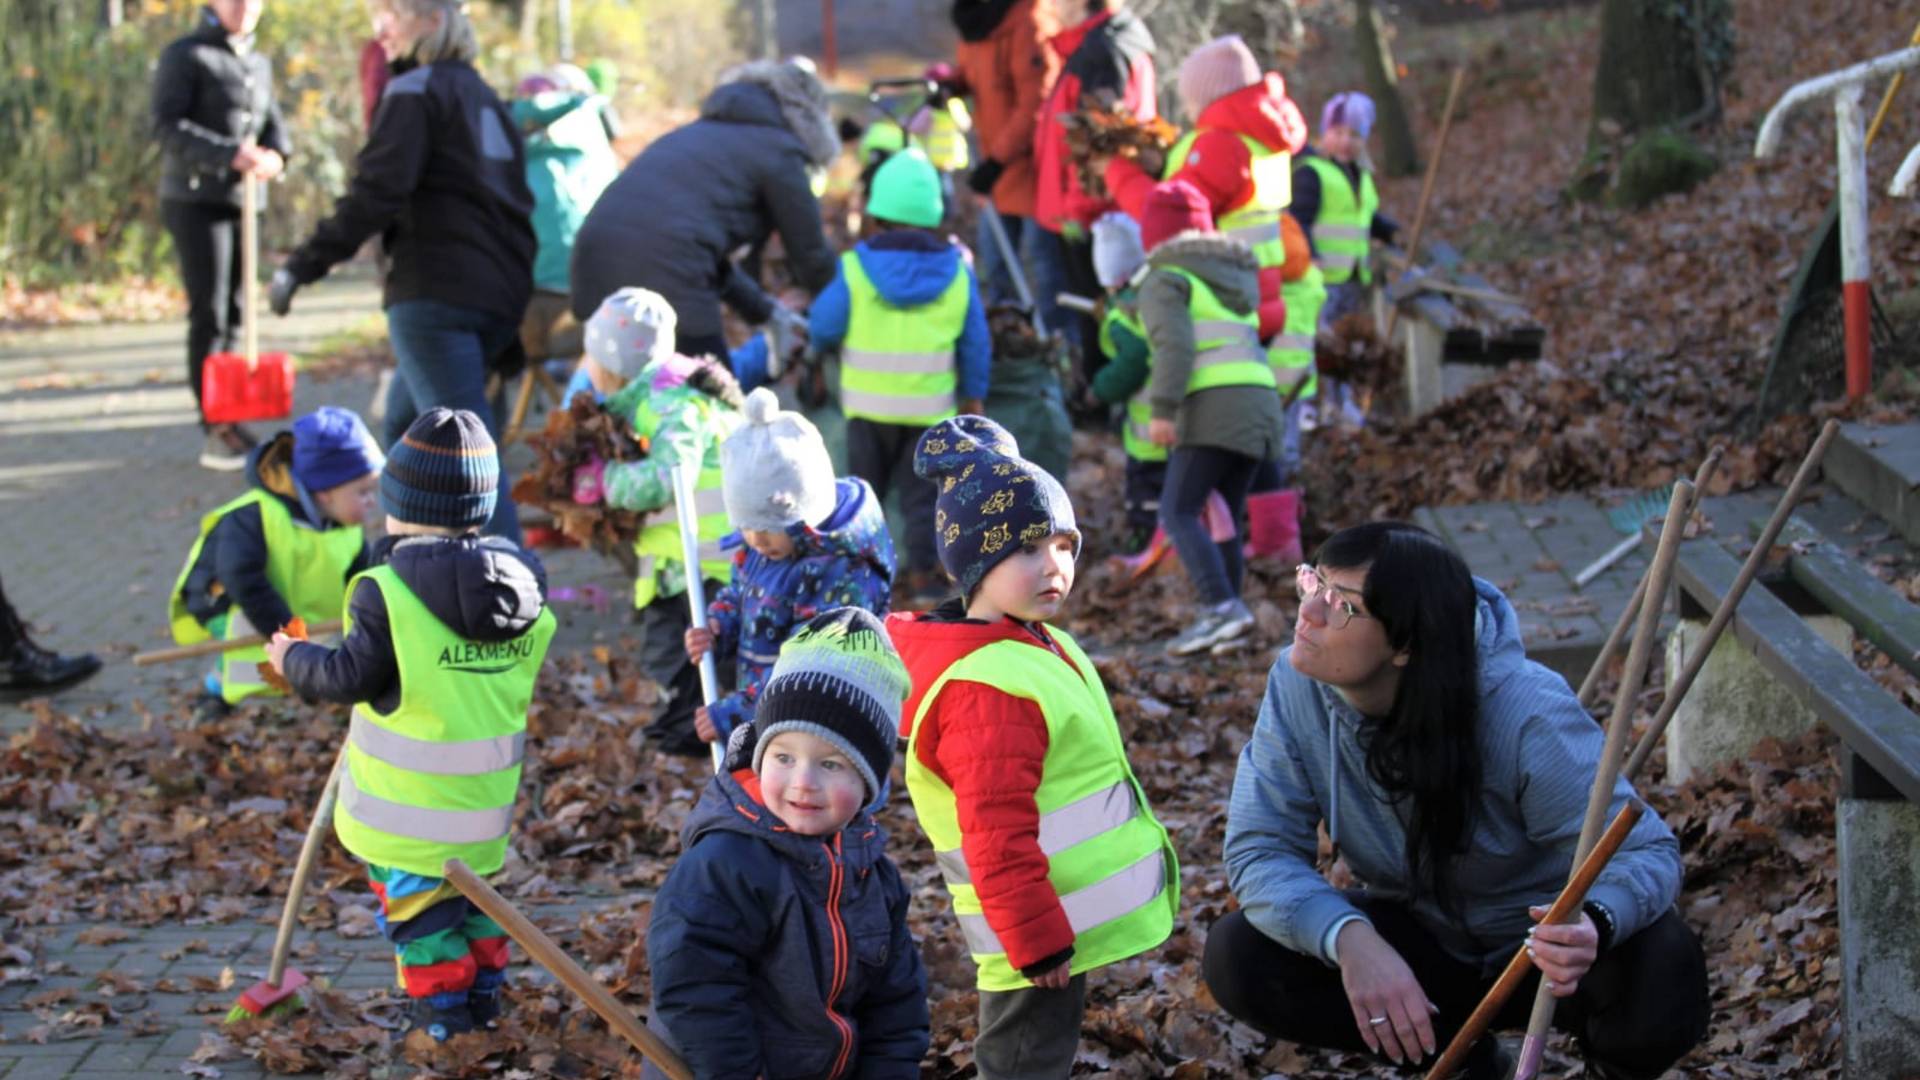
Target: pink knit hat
(1172, 208)
(1215, 70)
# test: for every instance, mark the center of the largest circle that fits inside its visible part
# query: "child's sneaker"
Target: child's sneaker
(1221, 623)
(483, 1000)
(441, 1016)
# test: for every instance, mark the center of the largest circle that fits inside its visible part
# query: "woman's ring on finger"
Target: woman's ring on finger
(1376, 1020)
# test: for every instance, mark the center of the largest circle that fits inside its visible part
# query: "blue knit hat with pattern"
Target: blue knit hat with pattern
(332, 446)
(444, 471)
(839, 679)
(991, 499)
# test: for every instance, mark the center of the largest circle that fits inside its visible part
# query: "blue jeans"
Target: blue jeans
(1040, 256)
(1194, 472)
(440, 354)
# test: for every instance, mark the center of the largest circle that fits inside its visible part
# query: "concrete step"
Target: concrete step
(1879, 465)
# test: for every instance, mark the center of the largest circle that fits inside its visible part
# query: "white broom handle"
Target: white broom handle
(250, 265)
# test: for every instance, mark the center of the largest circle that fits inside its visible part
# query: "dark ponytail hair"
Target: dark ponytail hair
(1425, 752)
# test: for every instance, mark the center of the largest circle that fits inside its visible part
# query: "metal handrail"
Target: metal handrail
(1768, 140)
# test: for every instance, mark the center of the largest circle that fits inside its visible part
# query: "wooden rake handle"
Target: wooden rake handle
(215, 648)
(549, 955)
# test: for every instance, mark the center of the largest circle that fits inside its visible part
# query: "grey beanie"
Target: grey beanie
(631, 328)
(774, 468)
(1116, 249)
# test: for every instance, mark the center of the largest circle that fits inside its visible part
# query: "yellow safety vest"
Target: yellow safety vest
(659, 539)
(1133, 437)
(1345, 223)
(1108, 860)
(946, 139)
(435, 778)
(1226, 343)
(897, 363)
(1256, 223)
(1291, 350)
(306, 566)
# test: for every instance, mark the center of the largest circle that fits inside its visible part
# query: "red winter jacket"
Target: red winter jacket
(1111, 51)
(1222, 168)
(990, 748)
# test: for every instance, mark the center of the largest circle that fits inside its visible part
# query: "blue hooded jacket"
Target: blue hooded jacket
(783, 956)
(845, 561)
(910, 268)
(1538, 752)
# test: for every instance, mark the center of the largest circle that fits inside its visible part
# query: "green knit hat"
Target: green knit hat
(906, 190)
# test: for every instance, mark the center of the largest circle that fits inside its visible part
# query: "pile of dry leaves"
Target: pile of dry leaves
(582, 432)
(1102, 128)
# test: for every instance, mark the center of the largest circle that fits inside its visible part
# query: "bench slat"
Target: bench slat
(1850, 590)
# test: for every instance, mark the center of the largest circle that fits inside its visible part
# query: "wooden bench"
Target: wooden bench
(1457, 319)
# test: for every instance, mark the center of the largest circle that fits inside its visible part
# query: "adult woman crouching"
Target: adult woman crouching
(1453, 774)
(442, 180)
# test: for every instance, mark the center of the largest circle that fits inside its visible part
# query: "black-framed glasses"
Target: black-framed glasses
(1310, 585)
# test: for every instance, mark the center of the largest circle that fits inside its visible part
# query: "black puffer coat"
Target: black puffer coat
(676, 215)
(208, 98)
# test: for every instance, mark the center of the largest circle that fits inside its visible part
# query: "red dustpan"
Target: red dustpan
(238, 387)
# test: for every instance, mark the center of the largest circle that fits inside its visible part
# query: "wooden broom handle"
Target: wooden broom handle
(250, 265)
(550, 956)
(1564, 906)
(214, 648)
(309, 855)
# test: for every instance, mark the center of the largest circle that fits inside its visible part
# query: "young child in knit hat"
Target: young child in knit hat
(1336, 202)
(779, 940)
(905, 314)
(806, 543)
(284, 549)
(1118, 259)
(1211, 397)
(1016, 768)
(684, 407)
(445, 636)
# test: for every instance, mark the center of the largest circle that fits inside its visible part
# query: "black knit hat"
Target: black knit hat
(991, 499)
(444, 471)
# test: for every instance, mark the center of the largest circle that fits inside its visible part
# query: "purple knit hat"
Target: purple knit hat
(1352, 109)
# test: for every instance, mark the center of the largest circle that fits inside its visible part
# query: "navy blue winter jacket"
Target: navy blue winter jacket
(784, 956)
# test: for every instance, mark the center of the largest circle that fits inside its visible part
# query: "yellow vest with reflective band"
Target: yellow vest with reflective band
(1226, 344)
(306, 566)
(1341, 231)
(1109, 861)
(1256, 223)
(1139, 412)
(1291, 350)
(897, 363)
(435, 778)
(946, 139)
(659, 539)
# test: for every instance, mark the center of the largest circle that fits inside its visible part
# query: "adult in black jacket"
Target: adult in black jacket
(673, 219)
(215, 117)
(442, 180)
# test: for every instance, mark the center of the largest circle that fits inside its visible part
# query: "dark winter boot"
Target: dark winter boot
(483, 1000)
(1273, 527)
(29, 671)
(441, 1015)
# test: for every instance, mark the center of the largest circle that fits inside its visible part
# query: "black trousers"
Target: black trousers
(1082, 281)
(11, 632)
(663, 658)
(882, 455)
(1640, 1008)
(206, 236)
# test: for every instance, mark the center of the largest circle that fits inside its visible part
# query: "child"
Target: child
(1117, 257)
(1053, 859)
(810, 544)
(1335, 200)
(906, 316)
(445, 635)
(286, 548)
(1211, 396)
(779, 940)
(683, 407)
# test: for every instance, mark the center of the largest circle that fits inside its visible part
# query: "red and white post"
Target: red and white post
(1850, 132)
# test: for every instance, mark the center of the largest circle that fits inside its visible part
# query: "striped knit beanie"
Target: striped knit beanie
(991, 500)
(444, 471)
(837, 679)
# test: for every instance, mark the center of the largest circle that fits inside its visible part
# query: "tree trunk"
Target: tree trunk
(1651, 70)
(1398, 155)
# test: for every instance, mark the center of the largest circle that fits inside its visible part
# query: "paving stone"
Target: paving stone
(111, 1055)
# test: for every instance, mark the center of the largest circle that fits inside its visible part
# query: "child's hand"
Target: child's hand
(1160, 432)
(1057, 978)
(703, 725)
(277, 650)
(589, 483)
(698, 641)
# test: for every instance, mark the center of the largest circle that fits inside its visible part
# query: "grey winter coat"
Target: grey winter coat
(1538, 753)
(1244, 419)
(674, 218)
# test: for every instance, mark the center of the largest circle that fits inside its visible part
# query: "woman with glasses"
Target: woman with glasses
(1452, 774)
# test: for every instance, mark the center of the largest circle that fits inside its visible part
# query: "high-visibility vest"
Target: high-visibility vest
(1226, 343)
(1139, 411)
(659, 539)
(946, 139)
(1109, 861)
(897, 363)
(305, 565)
(1255, 223)
(1291, 350)
(435, 778)
(1345, 223)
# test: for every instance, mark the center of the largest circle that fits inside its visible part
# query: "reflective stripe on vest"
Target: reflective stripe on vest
(897, 363)
(946, 137)
(1133, 436)
(659, 539)
(1291, 352)
(1108, 860)
(1256, 222)
(1226, 343)
(306, 566)
(436, 778)
(1345, 222)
